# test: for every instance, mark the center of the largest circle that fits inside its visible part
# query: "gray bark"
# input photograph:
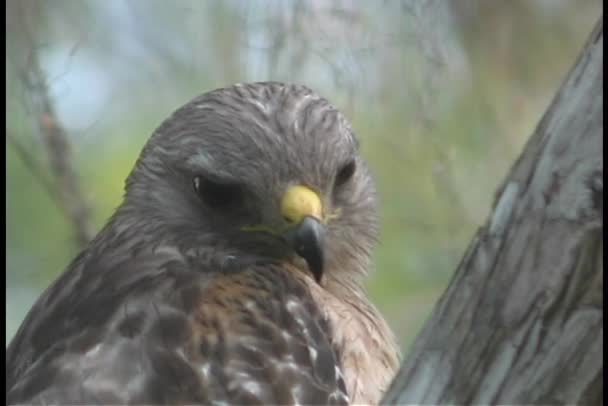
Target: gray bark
(521, 320)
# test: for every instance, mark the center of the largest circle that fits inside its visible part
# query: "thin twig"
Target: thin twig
(66, 191)
(35, 168)
(38, 173)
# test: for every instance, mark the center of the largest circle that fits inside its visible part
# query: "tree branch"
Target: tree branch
(521, 320)
(66, 191)
(35, 168)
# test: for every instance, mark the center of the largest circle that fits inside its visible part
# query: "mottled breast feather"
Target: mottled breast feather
(163, 331)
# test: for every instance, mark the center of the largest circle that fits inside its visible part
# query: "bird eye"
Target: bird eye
(345, 173)
(216, 194)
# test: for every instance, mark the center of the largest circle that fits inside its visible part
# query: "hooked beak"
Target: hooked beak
(307, 240)
(302, 208)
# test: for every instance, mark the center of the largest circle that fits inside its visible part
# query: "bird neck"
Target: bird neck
(369, 352)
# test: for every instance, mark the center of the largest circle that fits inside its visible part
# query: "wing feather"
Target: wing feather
(157, 330)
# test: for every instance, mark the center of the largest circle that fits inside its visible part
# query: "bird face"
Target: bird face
(261, 169)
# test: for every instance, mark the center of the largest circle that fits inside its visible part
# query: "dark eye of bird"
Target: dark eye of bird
(216, 194)
(345, 173)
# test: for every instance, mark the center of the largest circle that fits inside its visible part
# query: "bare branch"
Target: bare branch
(35, 168)
(66, 190)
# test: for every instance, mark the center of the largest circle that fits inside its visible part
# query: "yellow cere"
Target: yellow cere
(299, 202)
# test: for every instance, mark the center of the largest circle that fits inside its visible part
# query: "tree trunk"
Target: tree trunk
(521, 320)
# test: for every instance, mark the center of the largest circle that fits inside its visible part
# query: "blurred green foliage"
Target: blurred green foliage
(442, 97)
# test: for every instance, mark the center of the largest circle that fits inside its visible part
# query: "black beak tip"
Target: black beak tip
(315, 264)
(308, 240)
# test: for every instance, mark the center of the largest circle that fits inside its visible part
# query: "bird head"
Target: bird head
(260, 170)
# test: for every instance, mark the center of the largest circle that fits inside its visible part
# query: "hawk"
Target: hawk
(231, 273)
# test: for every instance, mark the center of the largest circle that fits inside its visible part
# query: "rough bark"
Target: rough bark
(521, 320)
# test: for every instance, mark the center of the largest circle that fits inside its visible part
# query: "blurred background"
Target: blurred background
(443, 96)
